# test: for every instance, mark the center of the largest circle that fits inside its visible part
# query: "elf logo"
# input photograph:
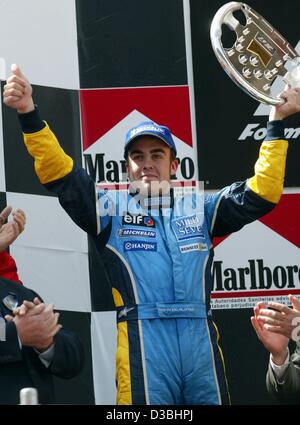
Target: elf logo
(138, 220)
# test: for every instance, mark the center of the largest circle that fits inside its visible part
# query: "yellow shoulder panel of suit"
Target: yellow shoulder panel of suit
(270, 170)
(50, 161)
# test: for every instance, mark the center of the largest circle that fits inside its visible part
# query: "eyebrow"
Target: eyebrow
(158, 150)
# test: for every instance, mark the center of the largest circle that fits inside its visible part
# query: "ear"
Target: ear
(174, 167)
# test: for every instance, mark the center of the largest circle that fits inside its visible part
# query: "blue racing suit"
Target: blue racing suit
(158, 259)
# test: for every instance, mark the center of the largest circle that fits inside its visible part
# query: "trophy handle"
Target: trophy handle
(258, 55)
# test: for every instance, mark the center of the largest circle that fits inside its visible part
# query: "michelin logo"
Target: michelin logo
(140, 246)
(136, 233)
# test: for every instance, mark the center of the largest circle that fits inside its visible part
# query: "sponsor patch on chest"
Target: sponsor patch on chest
(184, 249)
(133, 233)
(188, 228)
(140, 246)
(138, 220)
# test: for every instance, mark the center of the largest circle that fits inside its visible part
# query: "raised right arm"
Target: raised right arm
(55, 169)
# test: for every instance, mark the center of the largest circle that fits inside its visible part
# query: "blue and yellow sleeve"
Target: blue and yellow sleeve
(268, 179)
(74, 188)
(50, 161)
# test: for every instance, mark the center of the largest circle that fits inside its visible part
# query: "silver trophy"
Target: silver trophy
(258, 55)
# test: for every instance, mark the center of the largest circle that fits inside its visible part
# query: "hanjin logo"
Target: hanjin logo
(140, 246)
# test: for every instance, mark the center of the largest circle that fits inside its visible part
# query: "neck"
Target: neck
(162, 200)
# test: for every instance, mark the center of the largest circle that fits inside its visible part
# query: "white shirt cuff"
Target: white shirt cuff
(46, 356)
(279, 371)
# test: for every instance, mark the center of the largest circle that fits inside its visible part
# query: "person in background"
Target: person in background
(8, 233)
(33, 345)
(275, 325)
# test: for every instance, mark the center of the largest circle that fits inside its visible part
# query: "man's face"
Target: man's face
(149, 165)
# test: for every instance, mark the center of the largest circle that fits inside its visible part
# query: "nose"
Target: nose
(147, 164)
(147, 167)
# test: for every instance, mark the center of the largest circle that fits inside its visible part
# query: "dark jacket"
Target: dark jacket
(21, 368)
(289, 391)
